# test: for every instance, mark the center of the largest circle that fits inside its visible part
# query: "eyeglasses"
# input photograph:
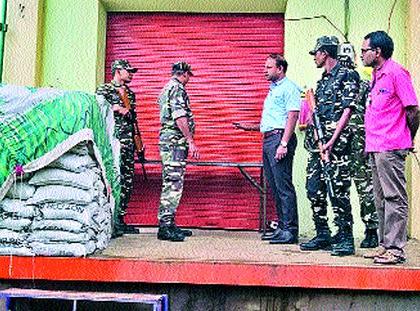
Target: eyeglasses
(363, 51)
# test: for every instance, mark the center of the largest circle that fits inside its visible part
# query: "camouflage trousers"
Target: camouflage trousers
(173, 173)
(317, 191)
(361, 173)
(126, 173)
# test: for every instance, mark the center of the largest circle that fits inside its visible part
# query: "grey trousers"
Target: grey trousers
(279, 175)
(391, 201)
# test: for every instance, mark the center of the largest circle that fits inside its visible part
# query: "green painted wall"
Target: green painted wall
(74, 46)
(365, 16)
(206, 6)
(70, 47)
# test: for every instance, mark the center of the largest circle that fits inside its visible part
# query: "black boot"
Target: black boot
(126, 229)
(371, 239)
(117, 230)
(345, 246)
(322, 240)
(185, 232)
(169, 232)
(272, 235)
(336, 237)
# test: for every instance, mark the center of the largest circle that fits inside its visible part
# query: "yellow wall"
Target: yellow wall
(206, 6)
(413, 57)
(23, 40)
(70, 47)
(365, 16)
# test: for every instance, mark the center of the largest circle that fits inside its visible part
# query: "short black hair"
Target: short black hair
(380, 39)
(280, 61)
(331, 50)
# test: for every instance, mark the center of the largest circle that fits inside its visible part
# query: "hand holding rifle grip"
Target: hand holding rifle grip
(138, 142)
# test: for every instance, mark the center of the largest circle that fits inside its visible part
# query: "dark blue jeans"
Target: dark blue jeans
(279, 175)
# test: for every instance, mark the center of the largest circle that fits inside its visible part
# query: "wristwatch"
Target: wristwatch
(283, 144)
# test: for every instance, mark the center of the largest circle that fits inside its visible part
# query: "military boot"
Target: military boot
(185, 232)
(371, 239)
(127, 229)
(345, 246)
(117, 230)
(336, 237)
(169, 232)
(322, 240)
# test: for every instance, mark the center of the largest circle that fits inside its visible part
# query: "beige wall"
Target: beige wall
(23, 40)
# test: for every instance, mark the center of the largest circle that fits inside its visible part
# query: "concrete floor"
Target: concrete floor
(236, 247)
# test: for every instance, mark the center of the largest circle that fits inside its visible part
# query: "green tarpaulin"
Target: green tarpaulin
(39, 125)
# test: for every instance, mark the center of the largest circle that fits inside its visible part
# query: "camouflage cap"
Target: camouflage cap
(324, 41)
(122, 64)
(181, 67)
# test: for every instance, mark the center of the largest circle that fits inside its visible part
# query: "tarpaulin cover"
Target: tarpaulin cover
(38, 125)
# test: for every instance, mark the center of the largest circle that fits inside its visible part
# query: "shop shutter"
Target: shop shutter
(227, 53)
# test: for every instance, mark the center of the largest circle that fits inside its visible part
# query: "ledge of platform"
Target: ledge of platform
(212, 257)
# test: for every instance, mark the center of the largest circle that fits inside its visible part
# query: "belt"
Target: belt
(273, 132)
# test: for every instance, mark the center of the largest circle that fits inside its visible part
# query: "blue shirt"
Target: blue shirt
(283, 96)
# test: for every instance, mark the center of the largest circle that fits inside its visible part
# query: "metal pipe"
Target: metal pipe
(3, 29)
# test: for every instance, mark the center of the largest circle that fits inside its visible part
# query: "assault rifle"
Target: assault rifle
(138, 142)
(327, 169)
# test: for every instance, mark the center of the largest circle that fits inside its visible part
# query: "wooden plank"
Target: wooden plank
(77, 295)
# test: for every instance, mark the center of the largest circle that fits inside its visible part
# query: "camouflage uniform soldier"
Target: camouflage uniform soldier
(335, 96)
(117, 93)
(175, 140)
(360, 169)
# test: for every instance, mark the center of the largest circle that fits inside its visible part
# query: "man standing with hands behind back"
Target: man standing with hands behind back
(391, 122)
(176, 139)
(278, 121)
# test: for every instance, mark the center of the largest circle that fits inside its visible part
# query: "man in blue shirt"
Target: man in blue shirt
(278, 121)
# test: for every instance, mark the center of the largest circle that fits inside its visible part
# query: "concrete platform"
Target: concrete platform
(220, 258)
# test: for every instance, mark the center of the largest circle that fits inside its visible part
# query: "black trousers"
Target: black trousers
(279, 175)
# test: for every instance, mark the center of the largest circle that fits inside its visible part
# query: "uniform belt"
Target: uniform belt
(273, 132)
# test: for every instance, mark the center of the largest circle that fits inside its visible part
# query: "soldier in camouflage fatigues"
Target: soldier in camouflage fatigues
(175, 141)
(335, 97)
(125, 120)
(360, 169)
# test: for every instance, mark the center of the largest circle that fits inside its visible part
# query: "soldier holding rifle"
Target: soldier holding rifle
(123, 103)
(328, 143)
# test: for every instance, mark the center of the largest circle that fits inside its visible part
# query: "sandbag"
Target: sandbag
(47, 236)
(58, 224)
(73, 162)
(63, 249)
(14, 224)
(16, 251)
(20, 190)
(8, 237)
(60, 210)
(18, 208)
(56, 193)
(53, 176)
(81, 149)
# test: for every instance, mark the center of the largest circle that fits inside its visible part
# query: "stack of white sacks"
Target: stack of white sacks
(61, 210)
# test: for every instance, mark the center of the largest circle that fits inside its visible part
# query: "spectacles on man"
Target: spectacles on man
(363, 51)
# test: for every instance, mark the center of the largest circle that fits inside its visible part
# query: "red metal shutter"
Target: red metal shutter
(227, 53)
